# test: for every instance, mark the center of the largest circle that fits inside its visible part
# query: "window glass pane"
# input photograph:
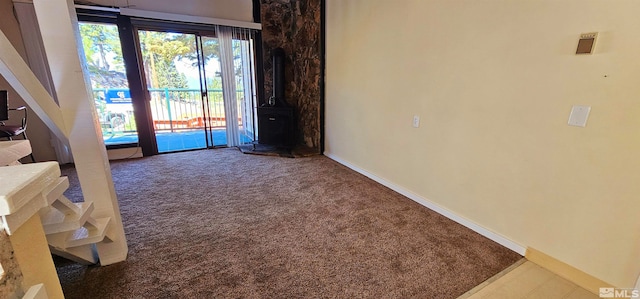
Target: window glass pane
(103, 54)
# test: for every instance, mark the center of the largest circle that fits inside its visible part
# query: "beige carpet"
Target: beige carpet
(222, 224)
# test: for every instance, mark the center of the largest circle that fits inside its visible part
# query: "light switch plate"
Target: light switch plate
(579, 115)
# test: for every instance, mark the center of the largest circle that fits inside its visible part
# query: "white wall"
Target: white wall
(493, 82)
(38, 133)
(239, 10)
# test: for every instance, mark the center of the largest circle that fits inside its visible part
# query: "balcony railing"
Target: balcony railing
(172, 109)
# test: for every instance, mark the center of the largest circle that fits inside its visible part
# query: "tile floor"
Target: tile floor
(528, 280)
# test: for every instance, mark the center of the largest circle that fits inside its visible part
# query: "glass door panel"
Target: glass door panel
(246, 92)
(211, 79)
(229, 77)
(103, 54)
(172, 73)
(200, 88)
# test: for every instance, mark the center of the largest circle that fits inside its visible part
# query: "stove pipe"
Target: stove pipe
(277, 57)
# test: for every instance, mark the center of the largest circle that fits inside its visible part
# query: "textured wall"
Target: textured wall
(11, 279)
(494, 146)
(294, 25)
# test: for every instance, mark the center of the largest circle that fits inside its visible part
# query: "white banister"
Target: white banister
(26, 84)
(60, 36)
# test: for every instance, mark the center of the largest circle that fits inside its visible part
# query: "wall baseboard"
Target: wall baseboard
(124, 153)
(504, 241)
(566, 271)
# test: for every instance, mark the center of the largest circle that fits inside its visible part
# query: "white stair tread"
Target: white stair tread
(55, 221)
(12, 151)
(55, 190)
(81, 236)
(64, 205)
(82, 254)
(22, 183)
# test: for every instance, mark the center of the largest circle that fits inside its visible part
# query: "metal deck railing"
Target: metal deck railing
(172, 109)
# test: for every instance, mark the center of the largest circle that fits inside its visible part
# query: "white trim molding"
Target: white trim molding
(502, 240)
(99, 8)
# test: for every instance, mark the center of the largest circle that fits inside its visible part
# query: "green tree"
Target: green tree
(103, 54)
(160, 51)
(210, 49)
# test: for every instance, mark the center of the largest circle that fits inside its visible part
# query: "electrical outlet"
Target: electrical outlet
(416, 121)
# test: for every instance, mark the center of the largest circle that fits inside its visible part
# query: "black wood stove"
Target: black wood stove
(276, 121)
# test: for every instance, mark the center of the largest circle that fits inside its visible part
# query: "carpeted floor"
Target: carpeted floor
(222, 224)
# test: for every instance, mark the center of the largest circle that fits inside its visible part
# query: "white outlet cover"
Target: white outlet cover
(416, 121)
(579, 115)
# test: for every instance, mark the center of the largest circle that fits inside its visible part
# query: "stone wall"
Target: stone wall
(294, 25)
(11, 276)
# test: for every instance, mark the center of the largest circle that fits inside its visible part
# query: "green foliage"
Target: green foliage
(210, 49)
(160, 51)
(99, 40)
(103, 54)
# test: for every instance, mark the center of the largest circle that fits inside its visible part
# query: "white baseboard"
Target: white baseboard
(437, 208)
(124, 153)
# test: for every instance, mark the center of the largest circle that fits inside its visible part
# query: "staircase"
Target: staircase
(39, 220)
(70, 229)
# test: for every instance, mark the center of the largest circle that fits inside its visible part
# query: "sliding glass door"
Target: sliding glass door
(200, 88)
(170, 86)
(171, 72)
